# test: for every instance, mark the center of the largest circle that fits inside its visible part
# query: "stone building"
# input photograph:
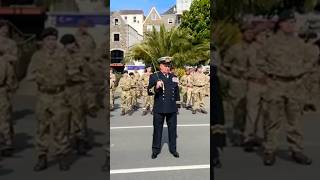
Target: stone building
(122, 38)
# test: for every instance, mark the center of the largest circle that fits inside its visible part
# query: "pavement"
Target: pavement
(238, 164)
(131, 141)
(20, 166)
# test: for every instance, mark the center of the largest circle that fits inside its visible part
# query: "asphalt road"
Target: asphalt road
(131, 139)
(20, 166)
(238, 164)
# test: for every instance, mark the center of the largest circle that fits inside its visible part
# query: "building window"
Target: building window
(157, 27)
(154, 17)
(134, 19)
(149, 27)
(116, 22)
(116, 37)
(170, 21)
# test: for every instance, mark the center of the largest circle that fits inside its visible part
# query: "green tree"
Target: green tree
(197, 19)
(177, 43)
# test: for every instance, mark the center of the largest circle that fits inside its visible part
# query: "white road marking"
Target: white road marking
(156, 169)
(179, 125)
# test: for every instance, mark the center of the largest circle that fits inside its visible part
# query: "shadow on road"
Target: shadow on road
(23, 141)
(4, 172)
(282, 154)
(18, 115)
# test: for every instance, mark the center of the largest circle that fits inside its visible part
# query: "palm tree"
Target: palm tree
(177, 43)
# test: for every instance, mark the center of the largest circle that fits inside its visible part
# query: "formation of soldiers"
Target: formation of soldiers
(273, 76)
(70, 81)
(194, 87)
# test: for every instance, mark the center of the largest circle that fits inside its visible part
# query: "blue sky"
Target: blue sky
(145, 5)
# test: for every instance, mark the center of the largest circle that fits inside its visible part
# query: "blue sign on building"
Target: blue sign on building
(72, 20)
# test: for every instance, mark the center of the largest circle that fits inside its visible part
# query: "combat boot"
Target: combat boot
(301, 158)
(204, 111)
(194, 111)
(64, 164)
(269, 158)
(42, 163)
(123, 113)
(145, 112)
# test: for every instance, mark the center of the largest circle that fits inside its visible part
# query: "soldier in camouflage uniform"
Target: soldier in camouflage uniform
(8, 84)
(134, 91)
(199, 80)
(125, 85)
(254, 106)
(186, 89)
(112, 89)
(49, 71)
(77, 77)
(147, 100)
(8, 53)
(286, 60)
(87, 47)
(234, 67)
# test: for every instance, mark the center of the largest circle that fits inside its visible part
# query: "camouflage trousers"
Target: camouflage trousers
(147, 100)
(283, 110)
(134, 97)
(111, 98)
(95, 95)
(78, 120)
(6, 126)
(125, 101)
(53, 124)
(198, 98)
(254, 109)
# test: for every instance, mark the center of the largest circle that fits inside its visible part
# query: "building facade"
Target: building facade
(153, 19)
(183, 5)
(134, 18)
(122, 38)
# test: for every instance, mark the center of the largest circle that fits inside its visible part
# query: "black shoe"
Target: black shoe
(42, 164)
(145, 112)
(123, 113)
(92, 114)
(151, 112)
(175, 154)
(130, 112)
(8, 152)
(269, 159)
(204, 111)
(248, 146)
(63, 163)
(301, 158)
(194, 111)
(154, 155)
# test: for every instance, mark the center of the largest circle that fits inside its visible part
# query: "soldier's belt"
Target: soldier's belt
(198, 86)
(55, 90)
(285, 79)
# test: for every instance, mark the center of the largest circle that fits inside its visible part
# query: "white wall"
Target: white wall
(138, 25)
(183, 5)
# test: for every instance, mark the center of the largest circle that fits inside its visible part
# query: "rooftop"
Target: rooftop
(131, 12)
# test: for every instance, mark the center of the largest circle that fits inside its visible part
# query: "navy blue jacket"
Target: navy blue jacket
(164, 102)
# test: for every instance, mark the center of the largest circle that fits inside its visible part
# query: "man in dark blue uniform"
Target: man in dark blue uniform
(166, 94)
